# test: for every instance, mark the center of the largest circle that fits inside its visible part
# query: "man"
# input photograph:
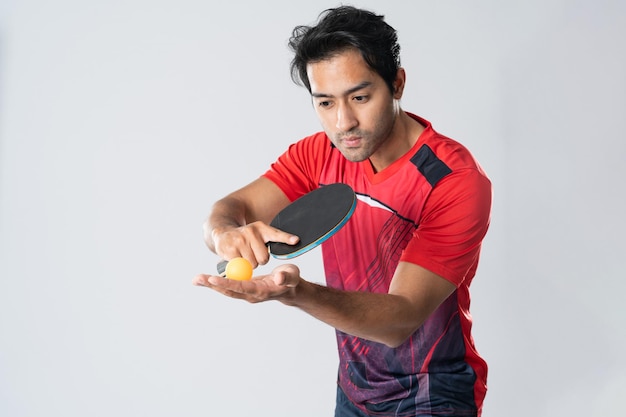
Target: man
(398, 273)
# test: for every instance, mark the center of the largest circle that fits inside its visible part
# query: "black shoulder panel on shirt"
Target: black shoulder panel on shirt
(431, 167)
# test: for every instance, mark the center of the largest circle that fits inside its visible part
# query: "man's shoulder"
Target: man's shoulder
(451, 152)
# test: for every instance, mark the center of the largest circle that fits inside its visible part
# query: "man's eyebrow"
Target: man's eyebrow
(349, 91)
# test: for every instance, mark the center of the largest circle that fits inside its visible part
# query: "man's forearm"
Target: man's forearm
(383, 318)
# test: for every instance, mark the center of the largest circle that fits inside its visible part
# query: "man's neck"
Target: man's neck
(404, 135)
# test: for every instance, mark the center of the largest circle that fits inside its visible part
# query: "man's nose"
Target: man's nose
(346, 119)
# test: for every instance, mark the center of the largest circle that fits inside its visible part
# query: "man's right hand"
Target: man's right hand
(238, 224)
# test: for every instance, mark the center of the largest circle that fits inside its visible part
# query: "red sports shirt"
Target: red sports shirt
(431, 207)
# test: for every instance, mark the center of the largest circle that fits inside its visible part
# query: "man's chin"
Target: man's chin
(354, 156)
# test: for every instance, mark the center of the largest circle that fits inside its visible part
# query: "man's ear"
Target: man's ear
(399, 83)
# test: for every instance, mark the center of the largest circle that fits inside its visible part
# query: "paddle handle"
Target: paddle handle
(221, 268)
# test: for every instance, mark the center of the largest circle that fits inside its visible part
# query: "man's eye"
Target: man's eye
(360, 98)
(324, 103)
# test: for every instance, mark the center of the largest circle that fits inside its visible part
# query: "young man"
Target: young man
(398, 273)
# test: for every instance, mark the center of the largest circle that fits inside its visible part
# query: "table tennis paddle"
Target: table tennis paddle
(314, 218)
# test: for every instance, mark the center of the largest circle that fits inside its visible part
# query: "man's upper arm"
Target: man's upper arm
(423, 289)
(454, 223)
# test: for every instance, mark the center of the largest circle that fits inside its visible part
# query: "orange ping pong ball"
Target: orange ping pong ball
(239, 269)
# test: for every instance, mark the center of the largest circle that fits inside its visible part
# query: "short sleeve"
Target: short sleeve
(454, 222)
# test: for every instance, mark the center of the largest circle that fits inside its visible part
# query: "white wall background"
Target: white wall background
(122, 121)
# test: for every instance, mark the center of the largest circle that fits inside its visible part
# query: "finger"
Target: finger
(200, 280)
(249, 254)
(224, 286)
(211, 281)
(231, 286)
(257, 253)
(261, 254)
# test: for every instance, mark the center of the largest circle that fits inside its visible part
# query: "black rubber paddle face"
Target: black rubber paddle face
(314, 217)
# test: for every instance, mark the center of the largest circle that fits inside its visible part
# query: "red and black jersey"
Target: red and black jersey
(431, 207)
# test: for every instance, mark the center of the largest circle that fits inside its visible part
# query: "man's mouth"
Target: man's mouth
(351, 141)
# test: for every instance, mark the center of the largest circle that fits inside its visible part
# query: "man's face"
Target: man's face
(353, 103)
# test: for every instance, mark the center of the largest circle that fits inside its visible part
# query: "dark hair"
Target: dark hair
(344, 28)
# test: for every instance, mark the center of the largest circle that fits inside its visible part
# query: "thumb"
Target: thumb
(286, 275)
